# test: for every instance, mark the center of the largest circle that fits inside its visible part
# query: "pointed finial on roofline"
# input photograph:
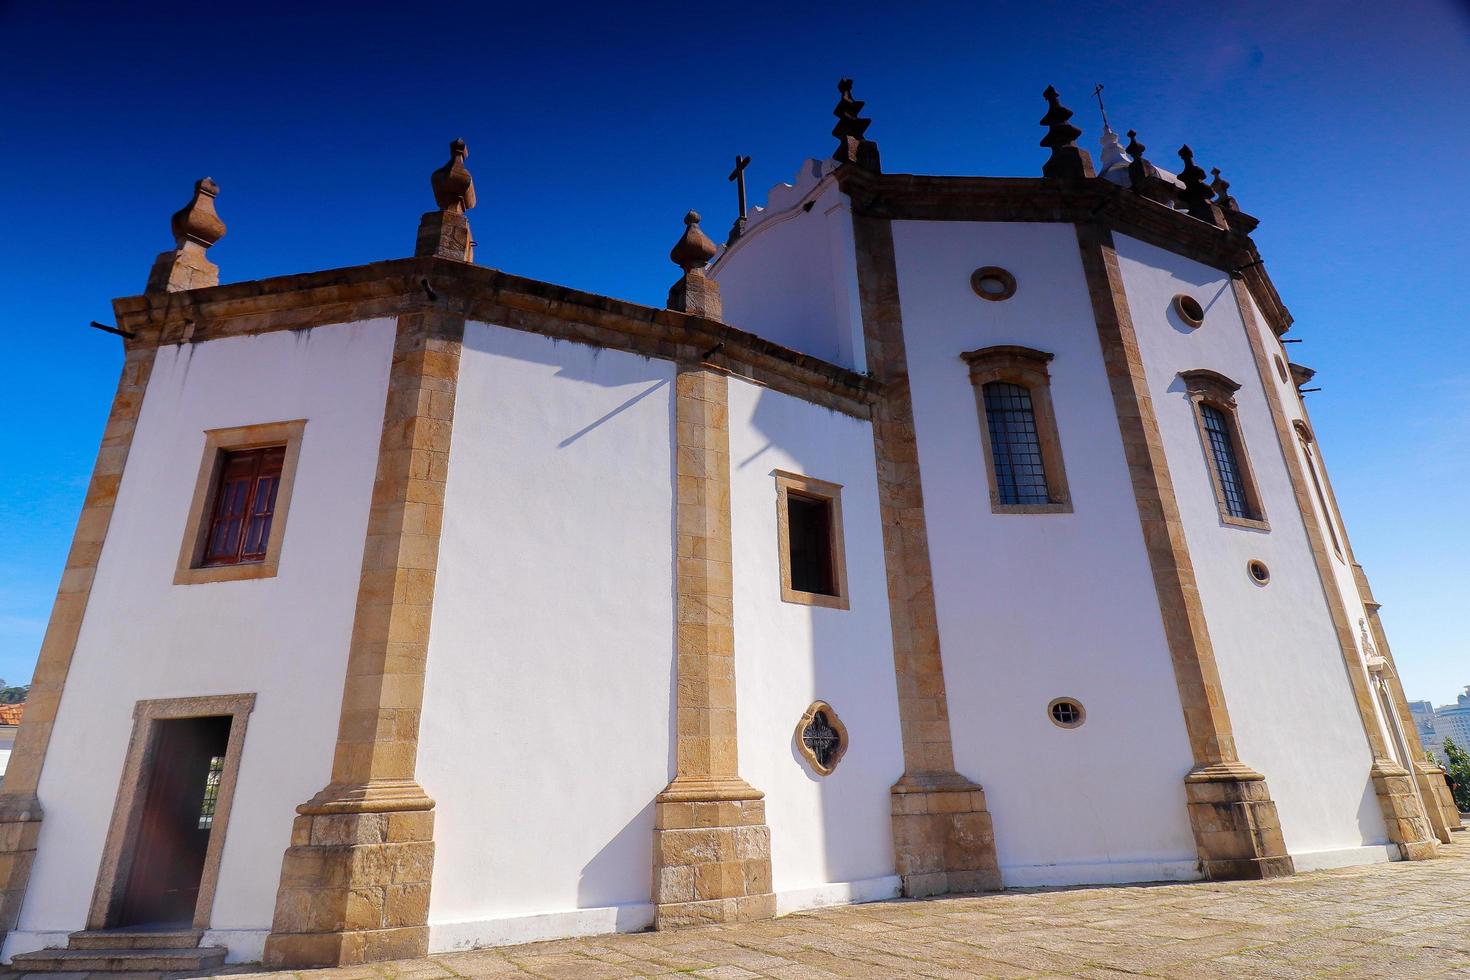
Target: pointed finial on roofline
(853, 147)
(1068, 161)
(196, 226)
(695, 292)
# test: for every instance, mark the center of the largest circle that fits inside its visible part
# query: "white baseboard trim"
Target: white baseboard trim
(30, 940)
(838, 893)
(1346, 857)
(445, 937)
(244, 945)
(1097, 873)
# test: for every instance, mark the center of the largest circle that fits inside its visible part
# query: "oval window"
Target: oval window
(993, 283)
(1066, 713)
(1189, 310)
(1259, 573)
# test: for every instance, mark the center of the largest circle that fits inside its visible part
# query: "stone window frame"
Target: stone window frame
(812, 488)
(132, 792)
(1206, 387)
(1027, 368)
(1305, 438)
(217, 442)
(843, 740)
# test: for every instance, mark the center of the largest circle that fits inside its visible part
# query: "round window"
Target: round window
(1259, 573)
(993, 283)
(1066, 713)
(1189, 310)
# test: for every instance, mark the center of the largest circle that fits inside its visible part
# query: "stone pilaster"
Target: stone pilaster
(1408, 824)
(20, 809)
(1236, 827)
(355, 880)
(712, 848)
(942, 833)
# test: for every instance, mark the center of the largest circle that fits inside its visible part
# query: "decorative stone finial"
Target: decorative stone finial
(1114, 157)
(694, 292)
(852, 146)
(446, 232)
(1196, 195)
(1068, 160)
(195, 227)
(454, 188)
(197, 221)
(1221, 187)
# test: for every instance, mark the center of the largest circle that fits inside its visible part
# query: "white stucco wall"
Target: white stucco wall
(283, 638)
(1035, 607)
(1284, 679)
(1328, 520)
(793, 278)
(831, 839)
(549, 696)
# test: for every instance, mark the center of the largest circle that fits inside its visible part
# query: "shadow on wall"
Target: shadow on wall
(619, 870)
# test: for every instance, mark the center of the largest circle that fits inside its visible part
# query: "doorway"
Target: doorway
(177, 816)
(160, 865)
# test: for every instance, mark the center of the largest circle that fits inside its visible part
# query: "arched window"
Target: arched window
(1015, 449)
(1019, 430)
(1213, 396)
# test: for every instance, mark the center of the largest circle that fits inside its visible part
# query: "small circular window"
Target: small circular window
(1189, 310)
(993, 283)
(1259, 573)
(821, 738)
(1066, 713)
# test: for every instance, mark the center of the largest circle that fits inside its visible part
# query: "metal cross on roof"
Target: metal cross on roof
(738, 175)
(1097, 93)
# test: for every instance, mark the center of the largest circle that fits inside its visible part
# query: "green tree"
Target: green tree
(1459, 768)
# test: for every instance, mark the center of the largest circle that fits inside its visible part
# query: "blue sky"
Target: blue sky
(593, 128)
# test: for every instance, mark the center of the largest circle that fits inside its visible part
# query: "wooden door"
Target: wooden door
(173, 832)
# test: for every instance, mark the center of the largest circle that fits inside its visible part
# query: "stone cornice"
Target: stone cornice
(398, 286)
(1090, 200)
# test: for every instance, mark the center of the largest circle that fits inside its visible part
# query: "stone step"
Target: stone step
(135, 939)
(119, 960)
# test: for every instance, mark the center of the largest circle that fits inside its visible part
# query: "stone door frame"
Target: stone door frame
(132, 791)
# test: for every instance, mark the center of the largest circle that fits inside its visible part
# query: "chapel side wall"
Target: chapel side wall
(793, 281)
(1034, 607)
(283, 638)
(548, 703)
(1282, 670)
(826, 831)
(1339, 558)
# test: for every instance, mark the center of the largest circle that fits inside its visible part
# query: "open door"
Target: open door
(172, 835)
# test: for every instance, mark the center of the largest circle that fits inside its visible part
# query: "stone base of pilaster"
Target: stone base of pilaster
(711, 855)
(1236, 829)
(354, 888)
(1408, 827)
(1430, 781)
(1441, 793)
(943, 840)
(20, 827)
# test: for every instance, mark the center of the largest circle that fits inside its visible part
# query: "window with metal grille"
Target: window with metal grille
(211, 791)
(244, 503)
(1015, 448)
(1227, 466)
(809, 540)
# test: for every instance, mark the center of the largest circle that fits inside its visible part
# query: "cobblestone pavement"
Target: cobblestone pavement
(1393, 920)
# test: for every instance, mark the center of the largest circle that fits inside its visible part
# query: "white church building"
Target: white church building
(943, 534)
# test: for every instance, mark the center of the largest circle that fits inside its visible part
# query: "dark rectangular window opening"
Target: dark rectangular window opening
(244, 503)
(1015, 444)
(809, 540)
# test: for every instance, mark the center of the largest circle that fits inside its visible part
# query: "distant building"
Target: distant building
(1452, 721)
(9, 724)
